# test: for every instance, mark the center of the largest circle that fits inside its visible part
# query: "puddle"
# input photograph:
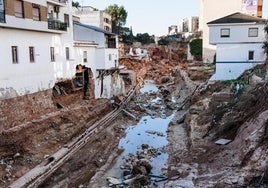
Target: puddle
(149, 87)
(149, 130)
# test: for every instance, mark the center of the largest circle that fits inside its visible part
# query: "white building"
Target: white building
(36, 45)
(215, 9)
(90, 16)
(238, 39)
(97, 49)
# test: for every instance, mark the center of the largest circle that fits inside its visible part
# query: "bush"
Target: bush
(196, 49)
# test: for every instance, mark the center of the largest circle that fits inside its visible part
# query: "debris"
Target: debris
(155, 132)
(223, 141)
(114, 181)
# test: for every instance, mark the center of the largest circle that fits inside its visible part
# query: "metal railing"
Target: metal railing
(57, 25)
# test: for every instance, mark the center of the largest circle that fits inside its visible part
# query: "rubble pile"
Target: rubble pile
(158, 64)
(136, 170)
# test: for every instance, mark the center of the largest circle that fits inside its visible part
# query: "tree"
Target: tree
(119, 16)
(75, 4)
(144, 38)
(164, 41)
(127, 35)
(196, 48)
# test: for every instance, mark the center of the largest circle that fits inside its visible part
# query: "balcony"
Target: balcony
(57, 25)
(2, 16)
(58, 2)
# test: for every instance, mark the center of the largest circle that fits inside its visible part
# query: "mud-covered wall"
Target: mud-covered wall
(16, 111)
(109, 86)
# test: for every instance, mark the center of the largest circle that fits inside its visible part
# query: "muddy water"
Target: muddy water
(150, 130)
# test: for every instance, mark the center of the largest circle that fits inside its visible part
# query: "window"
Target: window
(250, 55)
(14, 54)
(85, 56)
(107, 28)
(36, 12)
(31, 53)
(2, 12)
(253, 32)
(18, 9)
(67, 53)
(225, 33)
(106, 20)
(66, 19)
(110, 57)
(52, 54)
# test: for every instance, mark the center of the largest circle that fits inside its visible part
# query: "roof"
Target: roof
(94, 28)
(238, 18)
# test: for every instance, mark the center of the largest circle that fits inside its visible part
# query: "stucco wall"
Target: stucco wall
(230, 71)
(112, 85)
(238, 34)
(25, 77)
(239, 52)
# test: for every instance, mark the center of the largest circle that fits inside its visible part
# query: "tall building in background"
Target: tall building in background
(190, 24)
(214, 9)
(173, 30)
(252, 7)
(91, 16)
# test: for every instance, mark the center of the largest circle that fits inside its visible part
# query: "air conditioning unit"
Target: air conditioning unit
(57, 9)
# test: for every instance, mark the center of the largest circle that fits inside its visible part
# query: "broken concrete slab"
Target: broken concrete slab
(223, 141)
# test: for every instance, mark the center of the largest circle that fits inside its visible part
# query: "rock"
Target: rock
(255, 79)
(138, 169)
(114, 181)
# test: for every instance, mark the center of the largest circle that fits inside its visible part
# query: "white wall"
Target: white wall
(112, 85)
(91, 18)
(239, 52)
(85, 34)
(111, 58)
(26, 77)
(238, 34)
(230, 71)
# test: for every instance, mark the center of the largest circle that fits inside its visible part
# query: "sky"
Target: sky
(150, 16)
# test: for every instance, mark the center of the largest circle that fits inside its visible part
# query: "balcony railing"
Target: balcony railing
(2, 16)
(60, 1)
(57, 25)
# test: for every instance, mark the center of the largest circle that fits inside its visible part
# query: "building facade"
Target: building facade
(214, 9)
(238, 39)
(89, 15)
(39, 50)
(37, 45)
(97, 49)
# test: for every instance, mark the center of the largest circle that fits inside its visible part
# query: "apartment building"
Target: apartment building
(190, 24)
(36, 43)
(173, 30)
(91, 16)
(36, 52)
(214, 9)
